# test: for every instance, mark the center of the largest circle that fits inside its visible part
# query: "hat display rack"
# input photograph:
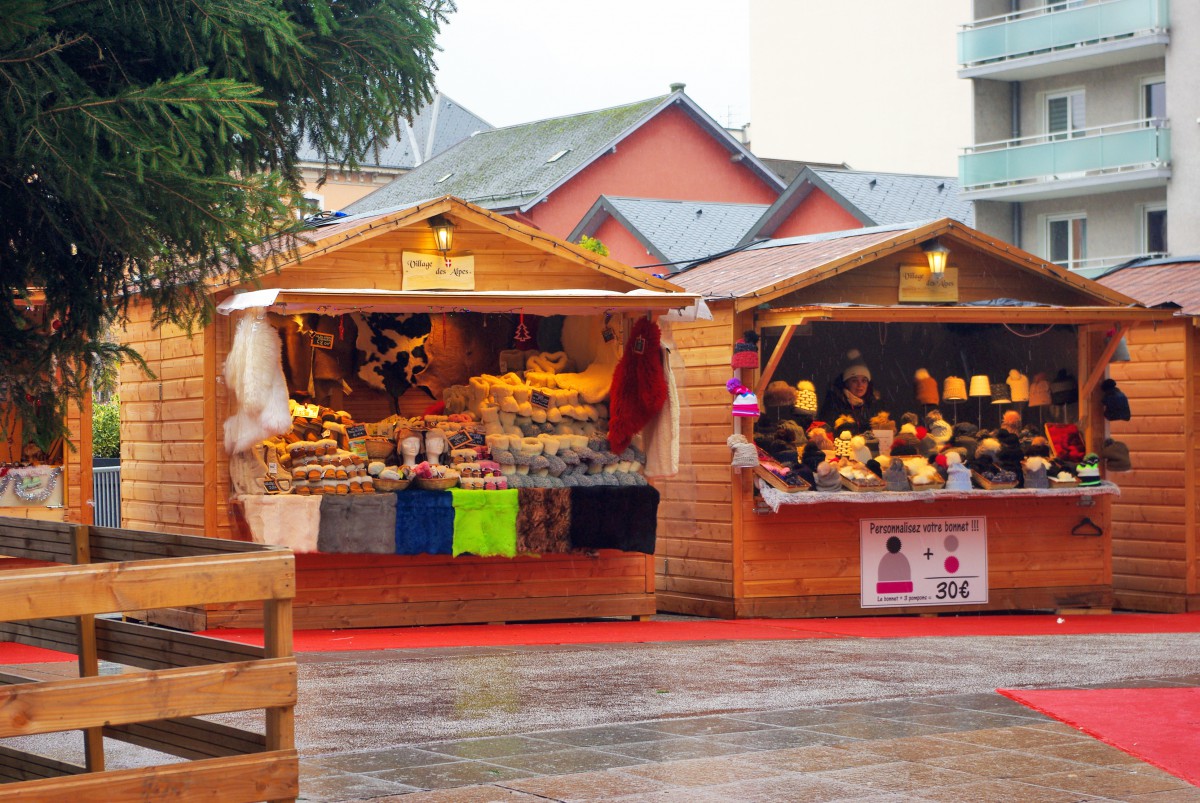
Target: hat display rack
(954, 393)
(981, 386)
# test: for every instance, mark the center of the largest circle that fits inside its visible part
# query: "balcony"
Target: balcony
(1126, 156)
(1099, 266)
(1062, 38)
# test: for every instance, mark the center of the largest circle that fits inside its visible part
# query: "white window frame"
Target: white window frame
(1047, 221)
(1142, 84)
(1144, 211)
(1074, 130)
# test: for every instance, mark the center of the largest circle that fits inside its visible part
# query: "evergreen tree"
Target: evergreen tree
(150, 147)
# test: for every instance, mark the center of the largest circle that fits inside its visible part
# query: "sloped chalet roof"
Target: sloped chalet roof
(1170, 282)
(673, 232)
(439, 125)
(874, 199)
(352, 264)
(514, 168)
(764, 272)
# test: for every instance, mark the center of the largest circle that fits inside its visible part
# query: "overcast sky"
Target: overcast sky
(515, 61)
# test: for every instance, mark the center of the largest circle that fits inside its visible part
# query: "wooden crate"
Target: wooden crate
(186, 677)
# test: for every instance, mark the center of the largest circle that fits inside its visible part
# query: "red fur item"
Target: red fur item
(639, 387)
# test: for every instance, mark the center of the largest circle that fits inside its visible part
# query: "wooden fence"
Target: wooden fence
(186, 676)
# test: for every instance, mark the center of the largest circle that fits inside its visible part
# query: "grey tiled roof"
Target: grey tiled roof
(898, 197)
(437, 126)
(686, 230)
(507, 167)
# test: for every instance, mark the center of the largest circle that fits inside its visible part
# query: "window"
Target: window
(1154, 99)
(1067, 240)
(1154, 230)
(1065, 115)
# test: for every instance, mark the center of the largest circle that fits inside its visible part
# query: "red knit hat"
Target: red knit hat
(745, 351)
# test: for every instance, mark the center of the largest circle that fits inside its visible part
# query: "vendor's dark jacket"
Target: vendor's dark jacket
(836, 405)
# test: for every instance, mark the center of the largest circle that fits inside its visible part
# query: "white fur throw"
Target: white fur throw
(284, 520)
(254, 376)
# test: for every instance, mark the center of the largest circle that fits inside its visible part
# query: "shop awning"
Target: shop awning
(1035, 314)
(534, 302)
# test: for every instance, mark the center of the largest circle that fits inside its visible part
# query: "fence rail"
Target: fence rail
(106, 495)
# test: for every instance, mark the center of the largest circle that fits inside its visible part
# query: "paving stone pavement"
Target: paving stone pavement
(822, 719)
(813, 720)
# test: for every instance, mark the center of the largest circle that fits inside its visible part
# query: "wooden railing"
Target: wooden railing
(186, 676)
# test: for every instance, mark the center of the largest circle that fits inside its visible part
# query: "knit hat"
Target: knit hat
(1065, 388)
(745, 351)
(859, 450)
(1018, 386)
(806, 398)
(842, 446)
(954, 389)
(1036, 471)
(745, 454)
(779, 394)
(1039, 391)
(856, 366)
(925, 387)
(745, 403)
(1116, 456)
(828, 478)
(1088, 471)
(883, 421)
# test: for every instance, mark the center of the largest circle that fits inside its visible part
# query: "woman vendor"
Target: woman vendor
(852, 394)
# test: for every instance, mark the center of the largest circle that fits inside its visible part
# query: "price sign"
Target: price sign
(356, 431)
(322, 341)
(608, 334)
(271, 486)
(458, 439)
(934, 561)
(478, 439)
(539, 399)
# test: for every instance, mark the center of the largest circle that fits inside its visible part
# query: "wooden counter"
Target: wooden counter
(804, 560)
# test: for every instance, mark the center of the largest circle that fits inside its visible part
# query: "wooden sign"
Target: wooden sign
(917, 284)
(437, 272)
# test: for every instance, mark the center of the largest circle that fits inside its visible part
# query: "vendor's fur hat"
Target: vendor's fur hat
(856, 366)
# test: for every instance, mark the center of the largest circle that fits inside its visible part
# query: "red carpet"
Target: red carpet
(1159, 726)
(617, 632)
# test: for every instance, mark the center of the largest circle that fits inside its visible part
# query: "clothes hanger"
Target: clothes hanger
(1087, 527)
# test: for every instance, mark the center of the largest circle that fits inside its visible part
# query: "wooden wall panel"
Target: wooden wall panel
(694, 563)
(1155, 518)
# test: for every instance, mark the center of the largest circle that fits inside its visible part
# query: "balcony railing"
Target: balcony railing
(1056, 26)
(1098, 266)
(1086, 152)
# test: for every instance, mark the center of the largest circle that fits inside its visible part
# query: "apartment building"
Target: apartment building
(1086, 127)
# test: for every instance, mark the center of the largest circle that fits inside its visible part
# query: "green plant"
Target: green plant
(106, 429)
(594, 245)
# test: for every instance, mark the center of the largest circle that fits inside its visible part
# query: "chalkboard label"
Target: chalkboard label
(271, 486)
(608, 334)
(539, 399)
(356, 431)
(322, 341)
(478, 439)
(458, 439)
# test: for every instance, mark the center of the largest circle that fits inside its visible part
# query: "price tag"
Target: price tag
(608, 334)
(478, 439)
(356, 431)
(458, 439)
(272, 468)
(271, 486)
(639, 345)
(539, 399)
(321, 340)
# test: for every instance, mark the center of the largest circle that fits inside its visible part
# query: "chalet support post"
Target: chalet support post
(768, 372)
(89, 659)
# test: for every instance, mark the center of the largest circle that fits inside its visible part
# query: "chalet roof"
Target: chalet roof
(437, 126)
(1160, 282)
(874, 199)
(515, 167)
(673, 232)
(624, 289)
(769, 269)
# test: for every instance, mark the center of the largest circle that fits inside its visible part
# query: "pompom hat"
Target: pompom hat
(745, 403)
(856, 366)
(745, 351)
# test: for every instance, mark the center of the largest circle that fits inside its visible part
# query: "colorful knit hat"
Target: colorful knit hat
(806, 398)
(1088, 471)
(745, 351)
(745, 403)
